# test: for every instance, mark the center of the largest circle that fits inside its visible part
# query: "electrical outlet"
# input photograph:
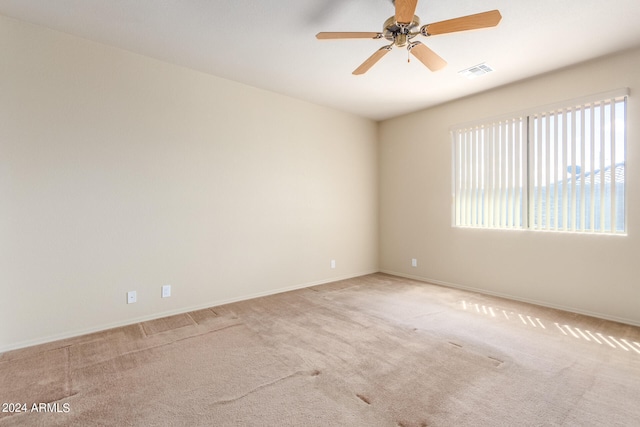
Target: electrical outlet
(414, 262)
(333, 263)
(166, 291)
(132, 297)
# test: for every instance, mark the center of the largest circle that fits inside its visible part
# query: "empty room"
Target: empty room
(319, 212)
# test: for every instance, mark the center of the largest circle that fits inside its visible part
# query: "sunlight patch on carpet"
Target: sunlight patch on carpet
(576, 332)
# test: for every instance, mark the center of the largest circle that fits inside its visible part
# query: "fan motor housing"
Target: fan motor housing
(398, 34)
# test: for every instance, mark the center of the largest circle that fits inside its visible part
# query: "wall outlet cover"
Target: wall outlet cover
(132, 297)
(166, 291)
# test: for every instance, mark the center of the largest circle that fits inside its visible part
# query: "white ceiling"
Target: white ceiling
(271, 44)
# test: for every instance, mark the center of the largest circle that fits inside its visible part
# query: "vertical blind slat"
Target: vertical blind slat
(539, 168)
(565, 156)
(485, 186)
(530, 180)
(547, 170)
(457, 167)
(612, 201)
(592, 181)
(488, 187)
(602, 168)
(508, 169)
(557, 169)
(517, 185)
(582, 171)
(463, 178)
(573, 199)
(504, 177)
(472, 172)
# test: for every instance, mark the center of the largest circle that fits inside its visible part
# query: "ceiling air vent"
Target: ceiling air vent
(476, 71)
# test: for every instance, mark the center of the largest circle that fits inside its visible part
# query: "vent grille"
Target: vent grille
(476, 71)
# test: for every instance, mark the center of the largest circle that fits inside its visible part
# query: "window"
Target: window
(561, 168)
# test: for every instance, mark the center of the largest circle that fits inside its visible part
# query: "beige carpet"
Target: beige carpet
(371, 351)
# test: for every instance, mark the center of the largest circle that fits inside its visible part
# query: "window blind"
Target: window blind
(578, 168)
(490, 175)
(561, 168)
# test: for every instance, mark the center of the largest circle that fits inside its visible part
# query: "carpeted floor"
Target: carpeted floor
(376, 350)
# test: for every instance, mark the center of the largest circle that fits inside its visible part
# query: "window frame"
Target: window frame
(525, 118)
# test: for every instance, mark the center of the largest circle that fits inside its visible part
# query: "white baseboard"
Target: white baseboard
(80, 332)
(104, 327)
(516, 298)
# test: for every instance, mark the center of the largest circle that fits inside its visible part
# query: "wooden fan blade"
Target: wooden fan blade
(347, 35)
(464, 23)
(405, 9)
(371, 61)
(427, 56)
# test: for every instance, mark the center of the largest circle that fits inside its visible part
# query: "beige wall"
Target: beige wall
(119, 172)
(583, 273)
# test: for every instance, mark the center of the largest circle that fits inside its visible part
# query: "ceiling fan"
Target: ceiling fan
(401, 28)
